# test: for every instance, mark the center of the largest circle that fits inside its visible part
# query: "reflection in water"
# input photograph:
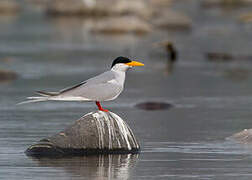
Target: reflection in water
(114, 166)
(169, 67)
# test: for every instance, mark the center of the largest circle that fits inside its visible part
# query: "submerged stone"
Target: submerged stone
(6, 75)
(151, 106)
(95, 133)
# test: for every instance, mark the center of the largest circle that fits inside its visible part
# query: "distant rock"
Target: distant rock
(244, 136)
(9, 7)
(95, 133)
(246, 17)
(38, 4)
(99, 7)
(160, 3)
(216, 56)
(226, 57)
(122, 25)
(223, 3)
(170, 19)
(6, 75)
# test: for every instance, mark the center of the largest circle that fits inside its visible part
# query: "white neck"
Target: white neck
(120, 67)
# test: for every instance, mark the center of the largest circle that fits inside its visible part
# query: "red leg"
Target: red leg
(100, 107)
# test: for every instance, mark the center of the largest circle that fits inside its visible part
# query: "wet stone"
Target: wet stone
(95, 133)
(6, 75)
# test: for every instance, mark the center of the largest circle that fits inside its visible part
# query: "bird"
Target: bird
(103, 87)
(172, 53)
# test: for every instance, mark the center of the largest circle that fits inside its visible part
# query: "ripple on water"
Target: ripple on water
(223, 147)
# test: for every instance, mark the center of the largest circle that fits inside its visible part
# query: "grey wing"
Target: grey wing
(98, 92)
(71, 87)
(102, 78)
(77, 89)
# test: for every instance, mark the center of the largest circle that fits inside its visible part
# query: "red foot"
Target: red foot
(100, 107)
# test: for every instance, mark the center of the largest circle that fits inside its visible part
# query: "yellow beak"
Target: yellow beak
(135, 63)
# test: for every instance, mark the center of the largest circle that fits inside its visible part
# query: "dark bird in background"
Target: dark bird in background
(172, 54)
(171, 51)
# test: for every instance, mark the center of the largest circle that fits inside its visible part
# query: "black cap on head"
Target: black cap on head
(120, 59)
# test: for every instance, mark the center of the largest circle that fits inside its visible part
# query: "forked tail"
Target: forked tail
(33, 99)
(45, 96)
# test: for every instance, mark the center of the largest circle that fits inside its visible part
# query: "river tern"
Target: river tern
(104, 87)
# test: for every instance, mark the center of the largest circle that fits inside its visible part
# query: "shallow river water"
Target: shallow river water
(211, 100)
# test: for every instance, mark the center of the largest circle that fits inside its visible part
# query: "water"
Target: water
(212, 101)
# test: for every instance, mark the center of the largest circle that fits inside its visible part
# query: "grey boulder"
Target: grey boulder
(95, 133)
(244, 136)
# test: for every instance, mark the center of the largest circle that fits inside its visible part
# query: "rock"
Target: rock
(6, 75)
(226, 57)
(246, 17)
(9, 7)
(73, 7)
(224, 3)
(160, 3)
(151, 106)
(215, 56)
(244, 136)
(170, 19)
(121, 25)
(99, 7)
(38, 4)
(95, 133)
